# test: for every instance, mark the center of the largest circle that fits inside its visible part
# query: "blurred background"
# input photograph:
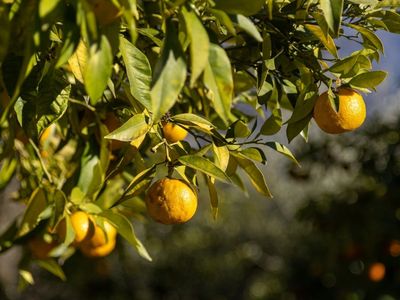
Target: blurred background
(332, 230)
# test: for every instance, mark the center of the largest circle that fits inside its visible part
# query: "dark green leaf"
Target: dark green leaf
(213, 196)
(52, 266)
(204, 165)
(256, 176)
(170, 74)
(218, 78)
(139, 72)
(36, 205)
(368, 80)
(283, 150)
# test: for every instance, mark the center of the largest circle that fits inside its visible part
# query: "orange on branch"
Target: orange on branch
(81, 223)
(173, 133)
(105, 11)
(171, 201)
(40, 248)
(350, 115)
(101, 243)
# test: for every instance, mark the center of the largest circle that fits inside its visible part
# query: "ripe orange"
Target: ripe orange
(173, 133)
(376, 272)
(101, 243)
(81, 223)
(105, 11)
(171, 201)
(351, 113)
(39, 248)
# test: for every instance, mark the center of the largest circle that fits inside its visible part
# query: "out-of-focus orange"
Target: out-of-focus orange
(376, 271)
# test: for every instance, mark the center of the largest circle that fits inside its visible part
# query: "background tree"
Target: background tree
(89, 86)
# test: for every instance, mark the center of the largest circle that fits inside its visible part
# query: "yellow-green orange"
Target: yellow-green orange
(173, 133)
(171, 201)
(350, 116)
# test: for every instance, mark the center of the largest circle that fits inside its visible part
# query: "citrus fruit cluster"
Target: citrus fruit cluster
(92, 239)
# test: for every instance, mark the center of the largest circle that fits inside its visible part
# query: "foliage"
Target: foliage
(102, 83)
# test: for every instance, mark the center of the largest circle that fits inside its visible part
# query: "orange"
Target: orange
(105, 11)
(394, 248)
(171, 201)
(173, 133)
(112, 123)
(101, 243)
(350, 116)
(39, 248)
(46, 134)
(376, 272)
(81, 223)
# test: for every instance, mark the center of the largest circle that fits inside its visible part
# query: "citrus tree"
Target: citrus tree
(111, 108)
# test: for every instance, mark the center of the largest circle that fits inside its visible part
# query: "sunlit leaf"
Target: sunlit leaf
(125, 229)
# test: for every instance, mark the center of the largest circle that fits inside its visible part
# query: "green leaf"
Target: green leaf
(256, 176)
(283, 150)
(98, 69)
(91, 175)
(52, 100)
(78, 61)
(248, 26)
(199, 43)
(139, 72)
(224, 19)
(368, 80)
(221, 154)
(295, 128)
(332, 10)
(240, 129)
(218, 79)
(254, 154)
(204, 165)
(327, 41)
(130, 130)
(274, 123)
(137, 183)
(69, 231)
(70, 44)
(213, 196)
(90, 208)
(369, 36)
(245, 7)
(36, 205)
(193, 120)
(125, 229)
(77, 196)
(52, 266)
(170, 75)
(46, 7)
(7, 171)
